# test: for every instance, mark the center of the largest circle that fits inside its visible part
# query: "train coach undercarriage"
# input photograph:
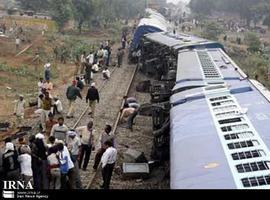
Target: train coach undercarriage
(158, 63)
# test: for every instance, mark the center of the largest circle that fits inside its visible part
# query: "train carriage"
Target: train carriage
(219, 133)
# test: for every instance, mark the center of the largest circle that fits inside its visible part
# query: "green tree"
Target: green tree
(253, 42)
(202, 6)
(61, 11)
(83, 10)
(250, 10)
(35, 5)
(266, 21)
(212, 31)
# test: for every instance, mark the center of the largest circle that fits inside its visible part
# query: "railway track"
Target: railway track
(122, 78)
(91, 181)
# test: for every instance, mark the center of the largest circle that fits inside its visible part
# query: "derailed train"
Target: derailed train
(209, 118)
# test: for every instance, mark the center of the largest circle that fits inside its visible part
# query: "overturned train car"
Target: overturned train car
(218, 125)
(209, 118)
(159, 59)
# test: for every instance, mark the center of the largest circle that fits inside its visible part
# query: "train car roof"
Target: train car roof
(195, 66)
(219, 134)
(180, 41)
(151, 24)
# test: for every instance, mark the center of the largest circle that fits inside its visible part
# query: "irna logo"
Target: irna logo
(17, 185)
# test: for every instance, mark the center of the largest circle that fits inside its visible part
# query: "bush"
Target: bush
(212, 31)
(253, 42)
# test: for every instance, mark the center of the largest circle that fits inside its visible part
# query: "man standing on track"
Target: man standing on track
(72, 93)
(120, 55)
(87, 143)
(93, 98)
(104, 137)
(108, 161)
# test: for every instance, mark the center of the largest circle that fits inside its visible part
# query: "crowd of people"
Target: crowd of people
(55, 163)
(52, 159)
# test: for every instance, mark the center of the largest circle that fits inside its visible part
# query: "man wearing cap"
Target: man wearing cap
(10, 162)
(72, 93)
(19, 109)
(74, 145)
(93, 98)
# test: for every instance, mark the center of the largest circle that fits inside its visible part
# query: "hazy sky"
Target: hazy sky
(176, 1)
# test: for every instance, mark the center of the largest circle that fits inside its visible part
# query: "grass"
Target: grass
(33, 22)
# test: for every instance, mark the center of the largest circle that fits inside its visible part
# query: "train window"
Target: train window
(231, 137)
(227, 114)
(220, 98)
(239, 127)
(233, 120)
(223, 103)
(256, 181)
(248, 154)
(244, 144)
(246, 182)
(251, 167)
(225, 108)
(241, 135)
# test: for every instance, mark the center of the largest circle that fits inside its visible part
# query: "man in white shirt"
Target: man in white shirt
(83, 62)
(73, 144)
(91, 58)
(19, 109)
(105, 136)
(64, 153)
(25, 161)
(58, 107)
(106, 74)
(95, 68)
(108, 162)
(87, 141)
(18, 42)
